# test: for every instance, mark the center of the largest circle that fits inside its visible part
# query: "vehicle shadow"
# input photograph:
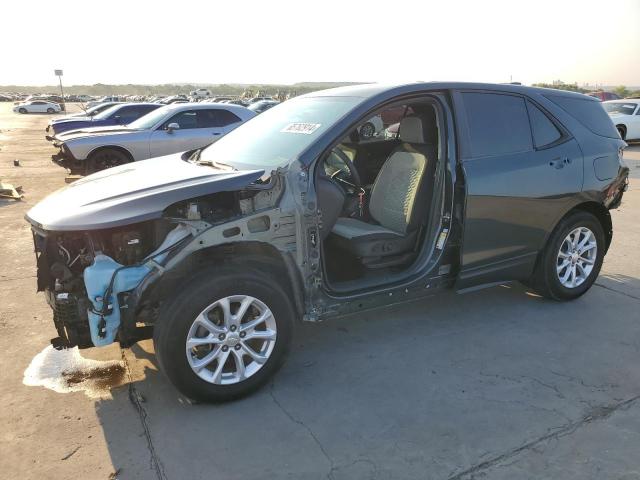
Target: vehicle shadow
(434, 386)
(622, 284)
(5, 202)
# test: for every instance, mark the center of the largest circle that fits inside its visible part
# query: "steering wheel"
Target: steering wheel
(353, 173)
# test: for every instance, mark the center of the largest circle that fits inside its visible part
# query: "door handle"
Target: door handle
(215, 133)
(559, 162)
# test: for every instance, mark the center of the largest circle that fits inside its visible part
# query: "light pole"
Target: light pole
(58, 73)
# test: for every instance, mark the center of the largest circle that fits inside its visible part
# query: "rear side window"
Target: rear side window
(589, 113)
(216, 118)
(544, 131)
(498, 124)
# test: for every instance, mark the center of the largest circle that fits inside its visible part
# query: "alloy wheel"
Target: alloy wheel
(576, 257)
(367, 130)
(231, 339)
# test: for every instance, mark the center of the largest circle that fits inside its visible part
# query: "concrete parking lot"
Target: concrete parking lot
(496, 384)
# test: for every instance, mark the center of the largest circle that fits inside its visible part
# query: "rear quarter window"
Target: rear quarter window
(589, 113)
(544, 131)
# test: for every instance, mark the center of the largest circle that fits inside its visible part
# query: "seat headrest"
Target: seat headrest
(417, 129)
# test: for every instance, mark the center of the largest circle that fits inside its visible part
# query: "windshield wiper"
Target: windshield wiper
(195, 156)
(222, 166)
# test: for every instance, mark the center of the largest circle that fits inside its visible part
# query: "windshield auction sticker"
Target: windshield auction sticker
(304, 128)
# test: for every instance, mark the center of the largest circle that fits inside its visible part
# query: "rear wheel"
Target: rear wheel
(225, 334)
(622, 131)
(106, 158)
(572, 259)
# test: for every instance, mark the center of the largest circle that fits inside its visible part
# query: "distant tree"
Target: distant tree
(560, 85)
(622, 91)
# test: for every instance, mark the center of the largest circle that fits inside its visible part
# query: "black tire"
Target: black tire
(22, 110)
(50, 110)
(106, 158)
(178, 314)
(545, 279)
(622, 132)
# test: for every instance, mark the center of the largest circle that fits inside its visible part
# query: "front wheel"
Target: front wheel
(572, 259)
(225, 334)
(22, 110)
(106, 158)
(50, 110)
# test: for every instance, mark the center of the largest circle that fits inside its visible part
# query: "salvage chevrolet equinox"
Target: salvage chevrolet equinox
(216, 253)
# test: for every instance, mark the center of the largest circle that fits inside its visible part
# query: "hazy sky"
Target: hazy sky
(273, 41)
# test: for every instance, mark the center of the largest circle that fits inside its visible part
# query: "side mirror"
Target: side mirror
(118, 119)
(172, 126)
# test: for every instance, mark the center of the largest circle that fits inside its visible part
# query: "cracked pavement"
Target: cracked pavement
(495, 384)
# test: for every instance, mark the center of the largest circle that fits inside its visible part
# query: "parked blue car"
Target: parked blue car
(120, 114)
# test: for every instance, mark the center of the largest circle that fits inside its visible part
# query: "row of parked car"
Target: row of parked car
(113, 133)
(54, 104)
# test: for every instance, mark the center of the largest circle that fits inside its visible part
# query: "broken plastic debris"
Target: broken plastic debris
(66, 371)
(9, 191)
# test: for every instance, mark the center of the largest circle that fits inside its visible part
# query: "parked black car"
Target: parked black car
(216, 253)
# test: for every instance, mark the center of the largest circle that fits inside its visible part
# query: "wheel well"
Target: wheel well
(602, 214)
(257, 255)
(623, 128)
(594, 208)
(111, 147)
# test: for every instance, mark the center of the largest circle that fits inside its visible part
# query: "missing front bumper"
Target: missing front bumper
(64, 159)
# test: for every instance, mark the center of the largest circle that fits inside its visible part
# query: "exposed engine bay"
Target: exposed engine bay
(90, 277)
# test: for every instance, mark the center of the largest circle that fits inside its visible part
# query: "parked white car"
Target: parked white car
(625, 114)
(200, 93)
(37, 106)
(171, 129)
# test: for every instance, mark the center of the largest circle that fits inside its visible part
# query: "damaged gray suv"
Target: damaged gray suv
(295, 215)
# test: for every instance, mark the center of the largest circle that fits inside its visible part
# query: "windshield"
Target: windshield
(278, 136)
(619, 107)
(96, 109)
(105, 114)
(150, 119)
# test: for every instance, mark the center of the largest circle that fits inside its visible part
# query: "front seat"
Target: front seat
(399, 201)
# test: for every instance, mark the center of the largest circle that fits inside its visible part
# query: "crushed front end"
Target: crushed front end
(65, 159)
(89, 278)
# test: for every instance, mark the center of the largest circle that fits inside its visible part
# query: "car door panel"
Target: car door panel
(163, 142)
(633, 132)
(508, 212)
(197, 129)
(513, 200)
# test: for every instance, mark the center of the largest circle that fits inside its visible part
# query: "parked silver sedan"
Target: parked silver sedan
(171, 129)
